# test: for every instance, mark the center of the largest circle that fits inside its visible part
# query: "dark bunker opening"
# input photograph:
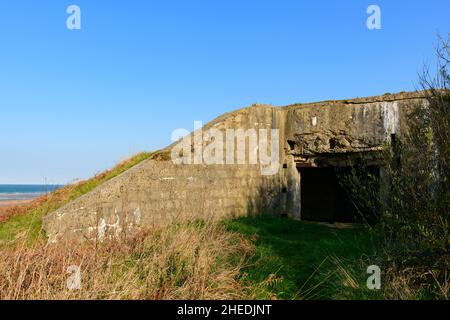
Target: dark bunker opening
(324, 198)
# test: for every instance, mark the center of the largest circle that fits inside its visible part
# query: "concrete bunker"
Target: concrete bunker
(317, 141)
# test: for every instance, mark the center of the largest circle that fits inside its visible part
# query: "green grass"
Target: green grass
(29, 223)
(300, 259)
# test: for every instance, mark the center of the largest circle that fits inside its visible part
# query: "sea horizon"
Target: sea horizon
(12, 192)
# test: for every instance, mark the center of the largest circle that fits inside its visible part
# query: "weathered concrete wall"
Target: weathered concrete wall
(345, 126)
(157, 191)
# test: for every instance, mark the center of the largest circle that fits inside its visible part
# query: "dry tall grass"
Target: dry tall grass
(193, 260)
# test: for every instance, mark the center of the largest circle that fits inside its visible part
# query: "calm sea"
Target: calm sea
(24, 191)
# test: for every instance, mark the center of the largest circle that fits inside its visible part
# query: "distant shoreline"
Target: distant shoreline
(12, 203)
(19, 196)
(10, 192)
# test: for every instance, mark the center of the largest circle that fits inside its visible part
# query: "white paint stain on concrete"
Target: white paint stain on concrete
(103, 227)
(364, 111)
(389, 112)
(137, 216)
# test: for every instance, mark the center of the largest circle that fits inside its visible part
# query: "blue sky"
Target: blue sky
(75, 102)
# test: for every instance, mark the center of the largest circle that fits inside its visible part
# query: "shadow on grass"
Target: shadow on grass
(294, 259)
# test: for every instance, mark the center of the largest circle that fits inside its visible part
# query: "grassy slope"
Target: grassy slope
(27, 221)
(292, 251)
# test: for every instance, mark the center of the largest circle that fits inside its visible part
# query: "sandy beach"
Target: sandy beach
(6, 204)
(12, 203)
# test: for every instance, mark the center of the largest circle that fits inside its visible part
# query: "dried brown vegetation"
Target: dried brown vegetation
(194, 260)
